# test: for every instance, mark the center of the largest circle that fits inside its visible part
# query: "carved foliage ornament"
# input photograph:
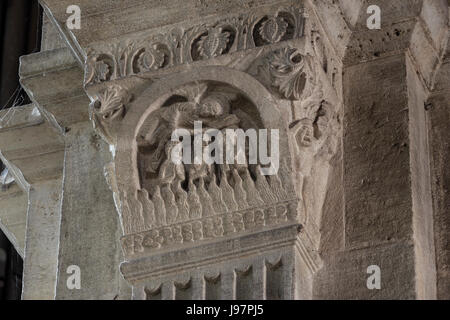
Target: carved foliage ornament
(273, 29)
(201, 42)
(151, 59)
(109, 106)
(214, 43)
(287, 72)
(287, 67)
(315, 125)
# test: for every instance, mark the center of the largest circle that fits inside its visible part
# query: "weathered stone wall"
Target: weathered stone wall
(439, 115)
(377, 194)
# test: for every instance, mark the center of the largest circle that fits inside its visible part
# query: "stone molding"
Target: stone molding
(176, 261)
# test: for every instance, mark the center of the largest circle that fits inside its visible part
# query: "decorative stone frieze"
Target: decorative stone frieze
(187, 45)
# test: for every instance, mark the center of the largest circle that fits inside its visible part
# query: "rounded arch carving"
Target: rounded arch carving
(156, 194)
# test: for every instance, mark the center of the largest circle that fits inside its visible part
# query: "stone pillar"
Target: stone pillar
(87, 230)
(423, 225)
(41, 247)
(34, 155)
(377, 185)
(388, 211)
(438, 113)
(388, 75)
(89, 224)
(431, 52)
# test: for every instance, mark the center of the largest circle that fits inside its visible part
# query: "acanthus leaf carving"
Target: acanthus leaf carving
(288, 73)
(151, 59)
(107, 107)
(288, 70)
(101, 71)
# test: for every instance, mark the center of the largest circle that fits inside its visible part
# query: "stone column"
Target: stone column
(89, 224)
(432, 57)
(388, 213)
(383, 193)
(87, 231)
(34, 155)
(438, 113)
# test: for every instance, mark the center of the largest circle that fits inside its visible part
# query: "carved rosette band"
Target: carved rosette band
(183, 46)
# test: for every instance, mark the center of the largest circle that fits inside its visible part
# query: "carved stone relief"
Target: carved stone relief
(314, 129)
(183, 46)
(109, 107)
(180, 204)
(184, 203)
(165, 205)
(264, 276)
(288, 73)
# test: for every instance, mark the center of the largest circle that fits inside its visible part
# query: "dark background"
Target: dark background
(20, 32)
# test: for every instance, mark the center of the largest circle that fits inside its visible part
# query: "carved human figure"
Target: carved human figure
(179, 115)
(213, 112)
(309, 135)
(171, 173)
(186, 191)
